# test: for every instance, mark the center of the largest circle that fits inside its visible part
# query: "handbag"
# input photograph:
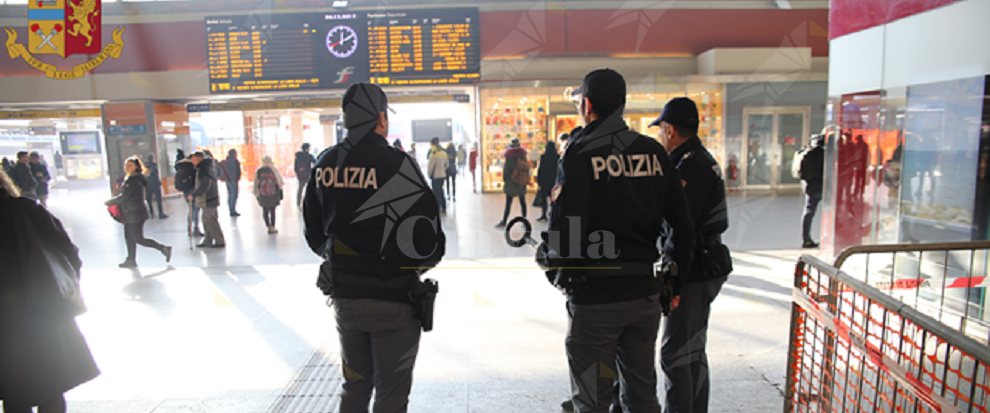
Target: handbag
(116, 213)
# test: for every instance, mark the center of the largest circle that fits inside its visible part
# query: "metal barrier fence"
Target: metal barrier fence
(854, 348)
(946, 281)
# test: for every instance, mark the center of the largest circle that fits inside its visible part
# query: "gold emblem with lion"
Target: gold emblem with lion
(83, 11)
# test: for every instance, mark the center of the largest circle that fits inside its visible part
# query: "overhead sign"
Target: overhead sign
(311, 51)
(65, 28)
(314, 103)
(127, 130)
(51, 114)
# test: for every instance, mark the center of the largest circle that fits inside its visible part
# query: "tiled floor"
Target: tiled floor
(226, 330)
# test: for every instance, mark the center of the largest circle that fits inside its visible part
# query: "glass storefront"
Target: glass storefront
(536, 115)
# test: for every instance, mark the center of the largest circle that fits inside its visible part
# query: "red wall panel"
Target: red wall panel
(694, 31)
(515, 33)
(851, 16)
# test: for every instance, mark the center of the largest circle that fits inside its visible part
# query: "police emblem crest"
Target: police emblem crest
(64, 28)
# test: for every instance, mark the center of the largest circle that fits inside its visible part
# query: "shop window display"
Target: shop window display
(523, 117)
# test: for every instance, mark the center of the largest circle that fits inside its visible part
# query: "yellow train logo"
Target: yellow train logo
(64, 28)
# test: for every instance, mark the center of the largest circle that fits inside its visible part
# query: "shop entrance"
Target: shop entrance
(772, 136)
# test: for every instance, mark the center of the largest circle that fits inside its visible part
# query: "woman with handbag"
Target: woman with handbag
(131, 201)
(268, 187)
(42, 352)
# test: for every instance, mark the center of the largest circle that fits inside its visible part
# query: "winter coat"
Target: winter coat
(546, 176)
(451, 158)
(304, 165)
(206, 193)
(438, 163)
(513, 156)
(231, 168)
(154, 176)
(24, 179)
(267, 201)
(131, 200)
(41, 175)
(44, 354)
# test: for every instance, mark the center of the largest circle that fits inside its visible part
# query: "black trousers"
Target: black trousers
(683, 355)
(508, 205)
(301, 190)
(810, 207)
(438, 193)
(134, 236)
(154, 192)
(269, 214)
(452, 185)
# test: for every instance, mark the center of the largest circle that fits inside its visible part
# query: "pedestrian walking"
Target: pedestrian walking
(43, 354)
(397, 144)
(154, 189)
(451, 184)
(546, 178)
(437, 171)
(268, 186)
(8, 166)
(230, 169)
(516, 176)
(683, 354)
(473, 163)
(131, 200)
(58, 161)
(461, 158)
(373, 279)
(811, 171)
(40, 172)
(26, 183)
(601, 248)
(207, 198)
(303, 168)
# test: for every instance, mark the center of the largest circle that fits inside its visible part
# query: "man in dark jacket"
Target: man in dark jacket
(546, 177)
(369, 214)
(154, 189)
(41, 175)
(812, 177)
(231, 170)
(682, 355)
(303, 168)
(23, 177)
(513, 155)
(207, 198)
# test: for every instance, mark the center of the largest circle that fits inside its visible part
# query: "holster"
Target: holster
(666, 273)
(707, 252)
(423, 295)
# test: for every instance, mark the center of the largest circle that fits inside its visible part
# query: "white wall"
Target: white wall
(946, 43)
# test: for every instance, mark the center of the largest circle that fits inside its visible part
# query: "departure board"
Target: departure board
(311, 51)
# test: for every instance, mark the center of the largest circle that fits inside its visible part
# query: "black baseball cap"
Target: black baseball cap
(679, 112)
(605, 85)
(363, 102)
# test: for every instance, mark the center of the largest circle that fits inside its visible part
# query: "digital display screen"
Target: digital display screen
(289, 52)
(80, 143)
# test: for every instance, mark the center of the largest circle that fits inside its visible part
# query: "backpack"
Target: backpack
(267, 182)
(521, 175)
(185, 176)
(808, 163)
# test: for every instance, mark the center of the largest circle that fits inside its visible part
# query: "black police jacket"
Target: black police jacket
(615, 189)
(705, 190)
(369, 211)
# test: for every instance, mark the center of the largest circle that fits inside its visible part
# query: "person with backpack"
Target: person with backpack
(268, 187)
(811, 165)
(437, 168)
(230, 172)
(207, 197)
(303, 168)
(516, 176)
(185, 181)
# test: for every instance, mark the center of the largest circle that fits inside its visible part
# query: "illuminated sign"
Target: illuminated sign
(298, 52)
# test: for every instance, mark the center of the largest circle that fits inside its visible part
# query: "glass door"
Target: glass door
(772, 136)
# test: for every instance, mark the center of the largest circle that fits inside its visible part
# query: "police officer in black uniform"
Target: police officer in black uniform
(370, 214)
(615, 190)
(685, 333)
